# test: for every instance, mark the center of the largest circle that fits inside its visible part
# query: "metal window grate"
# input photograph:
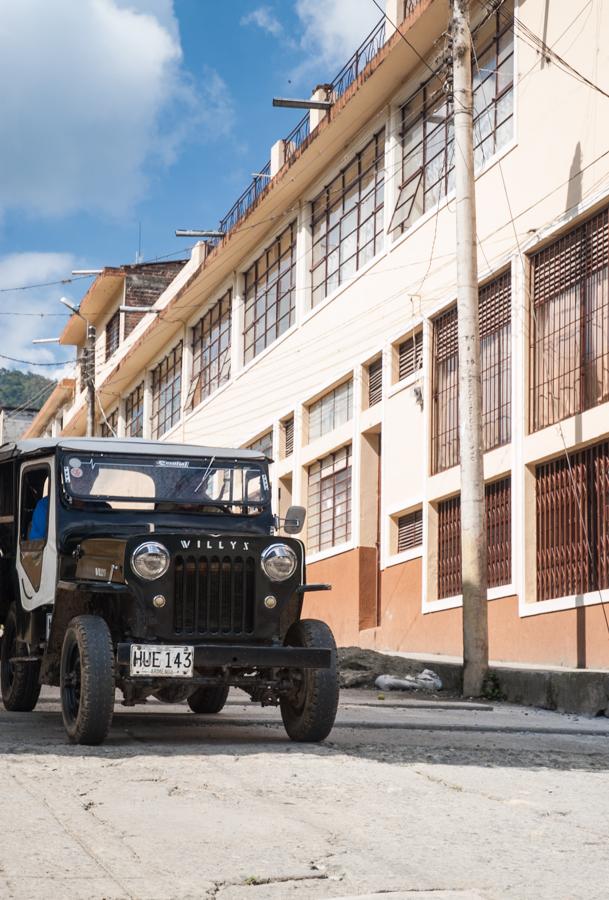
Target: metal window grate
(329, 517)
(332, 410)
(108, 428)
(410, 355)
(113, 329)
(166, 392)
(570, 324)
(375, 382)
(270, 294)
(572, 499)
(211, 347)
(495, 300)
(428, 121)
(288, 436)
(347, 221)
(410, 530)
(498, 503)
(134, 412)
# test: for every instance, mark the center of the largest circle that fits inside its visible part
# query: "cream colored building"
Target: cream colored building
(323, 327)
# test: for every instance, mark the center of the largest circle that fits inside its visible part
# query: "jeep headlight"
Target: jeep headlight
(150, 560)
(278, 562)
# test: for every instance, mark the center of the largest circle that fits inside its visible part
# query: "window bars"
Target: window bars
(113, 334)
(410, 355)
(496, 372)
(375, 382)
(410, 530)
(134, 412)
(332, 410)
(498, 502)
(570, 324)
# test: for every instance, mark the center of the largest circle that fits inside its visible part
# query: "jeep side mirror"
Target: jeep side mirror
(294, 520)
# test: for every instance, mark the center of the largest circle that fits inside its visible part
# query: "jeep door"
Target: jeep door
(36, 561)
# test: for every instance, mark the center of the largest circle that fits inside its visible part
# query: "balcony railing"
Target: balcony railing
(247, 199)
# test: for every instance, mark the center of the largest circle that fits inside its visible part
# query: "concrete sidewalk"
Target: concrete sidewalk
(581, 691)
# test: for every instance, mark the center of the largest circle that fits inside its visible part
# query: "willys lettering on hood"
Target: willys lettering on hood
(214, 544)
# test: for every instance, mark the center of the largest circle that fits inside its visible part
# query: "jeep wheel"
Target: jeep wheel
(87, 680)
(309, 710)
(208, 699)
(19, 681)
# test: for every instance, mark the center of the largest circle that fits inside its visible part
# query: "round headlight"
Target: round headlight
(150, 560)
(278, 562)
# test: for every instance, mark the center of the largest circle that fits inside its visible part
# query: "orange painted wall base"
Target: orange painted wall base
(573, 638)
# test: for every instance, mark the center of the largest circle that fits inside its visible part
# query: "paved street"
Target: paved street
(407, 797)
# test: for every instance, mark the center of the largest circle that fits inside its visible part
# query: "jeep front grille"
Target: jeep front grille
(214, 594)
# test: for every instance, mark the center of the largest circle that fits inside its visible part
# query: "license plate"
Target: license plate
(163, 661)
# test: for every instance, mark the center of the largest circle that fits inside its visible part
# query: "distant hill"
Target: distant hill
(23, 389)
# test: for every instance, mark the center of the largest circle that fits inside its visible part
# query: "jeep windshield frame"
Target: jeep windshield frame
(198, 485)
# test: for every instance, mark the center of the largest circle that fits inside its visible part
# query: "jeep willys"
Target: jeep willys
(154, 568)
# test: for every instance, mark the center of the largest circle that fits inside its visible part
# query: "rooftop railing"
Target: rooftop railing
(364, 54)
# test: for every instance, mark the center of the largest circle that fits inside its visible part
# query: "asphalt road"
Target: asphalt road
(407, 797)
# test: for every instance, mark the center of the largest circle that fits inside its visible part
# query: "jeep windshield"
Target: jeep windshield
(237, 487)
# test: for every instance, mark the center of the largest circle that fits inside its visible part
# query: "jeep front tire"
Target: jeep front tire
(309, 709)
(87, 680)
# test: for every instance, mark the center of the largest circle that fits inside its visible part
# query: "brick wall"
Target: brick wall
(144, 285)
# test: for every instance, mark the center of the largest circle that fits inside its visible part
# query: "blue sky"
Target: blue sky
(120, 112)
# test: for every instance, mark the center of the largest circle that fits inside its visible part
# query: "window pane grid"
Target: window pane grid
(109, 426)
(410, 530)
(269, 294)
(134, 412)
(498, 504)
(570, 324)
(329, 519)
(263, 444)
(113, 334)
(330, 411)
(494, 313)
(572, 506)
(166, 392)
(347, 221)
(211, 349)
(428, 122)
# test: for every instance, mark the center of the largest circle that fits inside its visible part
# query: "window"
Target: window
(109, 425)
(134, 412)
(288, 436)
(269, 294)
(166, 392)
(428, 121)
(333, 409)
(375, 382)
(35, 507)
(410, 355)
(572, 499)
(113, 330)
(211, 343)
(263, 444)
(496, 371)
(329, 515)
(498, 501)
(570, 324)
(347, 220)
(410, 530)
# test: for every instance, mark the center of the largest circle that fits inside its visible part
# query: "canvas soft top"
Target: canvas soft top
(137, 446)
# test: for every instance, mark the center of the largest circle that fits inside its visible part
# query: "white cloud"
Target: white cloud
(265, 19)
(331, 32)
(94, 94)
(19, 269)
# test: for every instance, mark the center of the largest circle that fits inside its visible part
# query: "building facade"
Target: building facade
(323, 328)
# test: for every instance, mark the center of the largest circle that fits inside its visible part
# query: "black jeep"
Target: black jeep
(154, 568)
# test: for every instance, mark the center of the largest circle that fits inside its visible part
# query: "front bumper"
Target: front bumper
(243, 656)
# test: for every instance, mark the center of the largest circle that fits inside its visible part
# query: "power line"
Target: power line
(30, 362)
(41, 284)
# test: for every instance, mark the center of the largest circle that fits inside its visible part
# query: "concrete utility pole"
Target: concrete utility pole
(89, 368)
(473, 522)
